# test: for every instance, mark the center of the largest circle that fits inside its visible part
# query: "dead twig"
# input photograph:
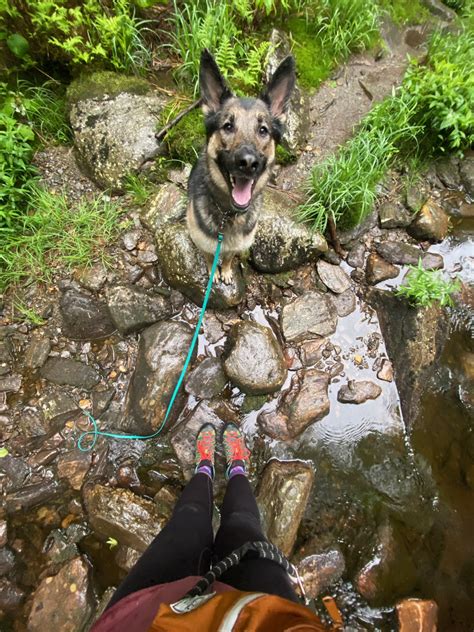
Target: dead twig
(334, 238)
(162, 133)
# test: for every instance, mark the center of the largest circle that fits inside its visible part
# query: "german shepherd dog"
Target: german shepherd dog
(225, 185)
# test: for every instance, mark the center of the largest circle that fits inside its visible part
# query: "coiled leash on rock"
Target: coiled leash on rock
(96, 433)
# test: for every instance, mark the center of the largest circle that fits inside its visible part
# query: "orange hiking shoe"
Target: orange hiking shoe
(205, 448)
(237, 455)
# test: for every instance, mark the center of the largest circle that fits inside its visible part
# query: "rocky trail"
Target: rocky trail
(356, 405)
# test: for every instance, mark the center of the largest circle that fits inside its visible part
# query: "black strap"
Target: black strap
(265, 550)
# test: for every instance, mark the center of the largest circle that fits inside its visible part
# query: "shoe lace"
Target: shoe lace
(238, 449)
(204, 446)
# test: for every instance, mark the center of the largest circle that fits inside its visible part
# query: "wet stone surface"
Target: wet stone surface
(307, 317)
(85, 317)
(68, 371)
(407, 254)
(333, 277)
(207, 379)
(132, 308)
(358, 392)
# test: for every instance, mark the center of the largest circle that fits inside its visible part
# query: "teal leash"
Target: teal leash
(96, 433)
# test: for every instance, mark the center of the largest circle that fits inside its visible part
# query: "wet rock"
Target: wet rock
(439, 9)
(130, 239)
(390, 571)
(56, 407)
(394, 215)
(414, 339)
(119, 513)
(254, 361)
(466, 171)
(101, 401)
(431, 222)
(281, 243)
(11, 596)
(115, 136)
(385, 372)
(37, 351)
(184, 268)
(417, 615)
(297, 117)
(168, 205)
(73, 466)
(305, 402)
(351, 236)
(11, 383)
(166, 500)
(207, 380)
(308, 316)
(183, 438)
(92, 278)
(356, 256)
(447, 170)
(72, 589)
(344, 303)
(161, 354)
(282, 496)
(333, 277)
(377, 269)
(32, 495)
(7, 561)
(406, 254)
(132, 309)
(311, 351)
(3, 532)
(71, 372)
(358, 392)
(319, 571)
(84, 317)
(16, 470)
(126, 558)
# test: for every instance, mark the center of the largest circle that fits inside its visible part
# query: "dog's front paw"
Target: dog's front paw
(226, 275)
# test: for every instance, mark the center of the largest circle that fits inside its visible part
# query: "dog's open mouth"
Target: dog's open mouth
(241, 190)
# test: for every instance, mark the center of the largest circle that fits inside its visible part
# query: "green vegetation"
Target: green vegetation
(28, 314)
(57, 234)
(423, 287)
(44, 107)
(185, 139)
(96, 84)
(139, 188)
(405, 11)
(76, 32)
(432, 112)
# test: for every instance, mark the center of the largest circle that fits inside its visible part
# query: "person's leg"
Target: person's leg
(240, 523)
(184, 546)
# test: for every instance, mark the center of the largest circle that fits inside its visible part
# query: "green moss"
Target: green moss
(185, 140)
(252, 402)
(284, 157)
(405, 11)
(313, 64)
(104, 82)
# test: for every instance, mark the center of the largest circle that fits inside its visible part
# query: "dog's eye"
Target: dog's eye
(263, 131)
(228, 127)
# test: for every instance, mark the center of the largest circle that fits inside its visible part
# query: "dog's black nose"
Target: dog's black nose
(247, 161)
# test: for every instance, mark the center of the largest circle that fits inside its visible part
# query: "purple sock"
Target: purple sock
(205, 467)
(237, 468)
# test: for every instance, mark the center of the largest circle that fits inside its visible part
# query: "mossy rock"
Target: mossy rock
(103, 82)
(185, 140)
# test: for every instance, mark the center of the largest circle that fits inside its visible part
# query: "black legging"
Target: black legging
(186, 545)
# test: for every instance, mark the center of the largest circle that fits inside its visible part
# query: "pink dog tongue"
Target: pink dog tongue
(242, 191)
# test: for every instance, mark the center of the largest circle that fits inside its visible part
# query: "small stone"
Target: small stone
(119, 513)
(31, 495)
(207, 380)
(431, 222)
(305, 402)
(12, 383)
(255, 361)
(168, 205)
(76, 606)
(11, 596)
(92, 278)
(71, 372)
(356, 256)
(132, 309)
(417, 615)
(386, 371)
(3, 533)
(126, 558)
(37, 352)
(308, 316)
(466, 171)
(358, 392)
(406, 254)
(318, 572)
(447, 170)
(377, 269)
(394, 215)
(311, 351)
(101, 401)
(7, 561)
(333, 277)
(282, 497)
(84, 317)
(131, 239)
(146, 257)
(165, 500)
(74, 466)
(344, 303)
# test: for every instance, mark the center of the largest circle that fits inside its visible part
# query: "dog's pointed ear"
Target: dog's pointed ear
(214, 90)
(278, 91)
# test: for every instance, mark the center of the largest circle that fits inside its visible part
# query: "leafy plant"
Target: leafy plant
(139, 188)
(112, 542)
(29, 314)
(44, 106)
(55, 233)
(423, 287)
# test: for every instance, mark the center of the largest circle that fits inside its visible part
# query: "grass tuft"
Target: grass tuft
(424, 288)
(56, 234)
